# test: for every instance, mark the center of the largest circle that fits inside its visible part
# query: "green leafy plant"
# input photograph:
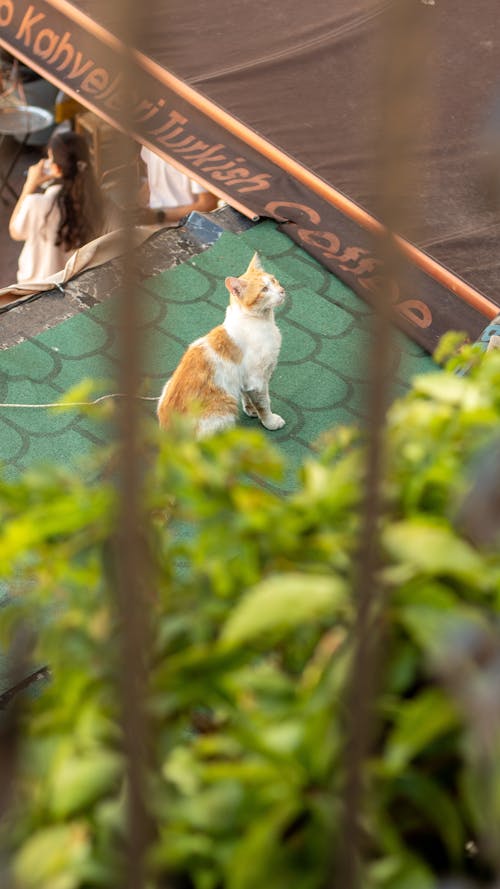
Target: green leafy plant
(251, 641)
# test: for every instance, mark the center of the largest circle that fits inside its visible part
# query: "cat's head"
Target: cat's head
(256, 291)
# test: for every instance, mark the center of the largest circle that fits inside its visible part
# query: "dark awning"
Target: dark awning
(275, 106)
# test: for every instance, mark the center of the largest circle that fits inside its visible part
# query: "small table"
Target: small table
(19, 120)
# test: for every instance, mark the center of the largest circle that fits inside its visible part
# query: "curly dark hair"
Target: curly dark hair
(79, 199)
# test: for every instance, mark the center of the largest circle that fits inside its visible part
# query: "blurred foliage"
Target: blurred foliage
(251, 638)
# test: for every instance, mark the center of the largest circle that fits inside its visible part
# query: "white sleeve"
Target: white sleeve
(24, 219)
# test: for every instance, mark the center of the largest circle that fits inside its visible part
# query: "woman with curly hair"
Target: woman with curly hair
(54, 223)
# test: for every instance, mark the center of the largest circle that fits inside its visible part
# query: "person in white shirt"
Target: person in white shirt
(70, 212)
(171, 195)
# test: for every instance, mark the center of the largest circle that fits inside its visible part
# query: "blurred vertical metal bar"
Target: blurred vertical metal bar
(19, 662)
(130, 560)
(401, 53)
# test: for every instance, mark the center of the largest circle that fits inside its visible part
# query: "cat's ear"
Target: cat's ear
(235, 286)
(255, 263)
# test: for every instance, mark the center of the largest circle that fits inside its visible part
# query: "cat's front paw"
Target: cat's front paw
(273, 421)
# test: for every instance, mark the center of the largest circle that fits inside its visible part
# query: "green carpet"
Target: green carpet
(320, 381)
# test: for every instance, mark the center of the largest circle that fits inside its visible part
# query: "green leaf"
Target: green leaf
(78, 781)
(282, 603)
(84, 391)
(284, 738)
(435, 619)
(183, 771)
(65, 516)
(401, 872)
(53, 858)
(258, 850)
(430, 547)
(419, 722)
(215, 810)
(450, 389)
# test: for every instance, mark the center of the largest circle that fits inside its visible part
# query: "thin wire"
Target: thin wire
(81, 403)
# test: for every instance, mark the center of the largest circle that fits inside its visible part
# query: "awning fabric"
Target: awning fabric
(275, 107)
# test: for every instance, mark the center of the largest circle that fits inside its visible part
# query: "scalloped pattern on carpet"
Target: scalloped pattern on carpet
(320, 381)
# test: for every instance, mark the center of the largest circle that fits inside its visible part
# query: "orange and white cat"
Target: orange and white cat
(234, 360)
